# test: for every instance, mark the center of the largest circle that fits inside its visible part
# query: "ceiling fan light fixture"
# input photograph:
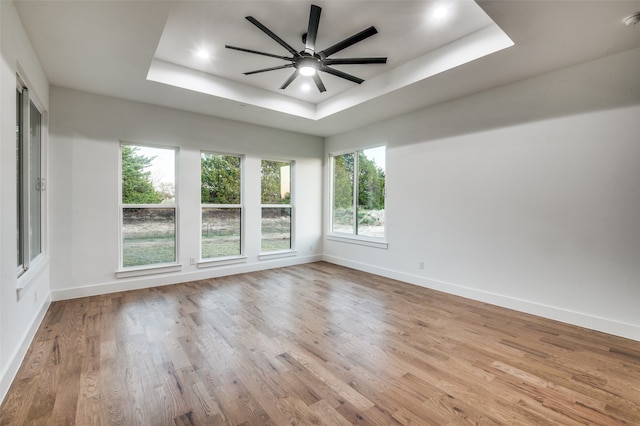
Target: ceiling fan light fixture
(307, 66)
(307, 71)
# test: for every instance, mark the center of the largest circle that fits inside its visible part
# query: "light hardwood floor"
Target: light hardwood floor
(315, 344)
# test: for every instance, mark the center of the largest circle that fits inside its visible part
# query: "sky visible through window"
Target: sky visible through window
(377, 155)
(162, 167)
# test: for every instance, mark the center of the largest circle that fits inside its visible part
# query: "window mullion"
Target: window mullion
(148, 206)
(222, 206)
(276, 206)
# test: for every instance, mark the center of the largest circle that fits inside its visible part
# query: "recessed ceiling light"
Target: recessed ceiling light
(440, 12)
(202, 54)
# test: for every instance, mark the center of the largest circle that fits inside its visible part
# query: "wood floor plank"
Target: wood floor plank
(315, 344)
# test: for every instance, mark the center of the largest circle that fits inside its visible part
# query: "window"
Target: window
(19, 179)
(221, 203)
(148, 205)
(276, 206)
(29, 181)
(358, 204)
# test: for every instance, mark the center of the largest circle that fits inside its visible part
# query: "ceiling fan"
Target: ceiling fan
(309, 61)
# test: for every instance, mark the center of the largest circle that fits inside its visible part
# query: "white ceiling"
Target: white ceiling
(143, 51)
(406, 32)
(419, 46)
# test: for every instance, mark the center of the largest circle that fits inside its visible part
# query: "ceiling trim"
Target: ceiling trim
(476, 45)
(198, 81)
(466, 49)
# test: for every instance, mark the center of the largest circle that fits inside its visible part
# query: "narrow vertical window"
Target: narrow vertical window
(29, 180)
(276, 206)
(221, 204)
(148, 205)
(358, 192)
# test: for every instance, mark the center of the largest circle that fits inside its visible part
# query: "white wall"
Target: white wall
(20, 313)
(86, 130)
(526, 196)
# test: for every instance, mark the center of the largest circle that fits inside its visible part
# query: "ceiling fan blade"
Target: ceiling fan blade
(341, 74)
(268, 32)
(269, 69)
(354, 61)
(319, 84)
(289, 80)
(312, 31)
(348, 42)
(242, 49)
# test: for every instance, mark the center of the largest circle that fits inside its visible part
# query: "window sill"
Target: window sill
(361, 241)
(222, 261)
(28, 277)
(276, 254)
(148, 270)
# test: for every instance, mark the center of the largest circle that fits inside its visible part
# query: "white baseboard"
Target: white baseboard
(12, 367)
(147, 281)
(605, 325)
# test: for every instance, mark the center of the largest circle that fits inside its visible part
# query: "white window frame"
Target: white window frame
(232, 259)
(291, 251)
(155, 268)
(376, 242)
(29, 268)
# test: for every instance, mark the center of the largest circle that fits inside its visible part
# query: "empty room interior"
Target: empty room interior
(330, 212)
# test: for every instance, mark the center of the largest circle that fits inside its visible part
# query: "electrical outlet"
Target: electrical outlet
(421, 265)
(192, 260)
